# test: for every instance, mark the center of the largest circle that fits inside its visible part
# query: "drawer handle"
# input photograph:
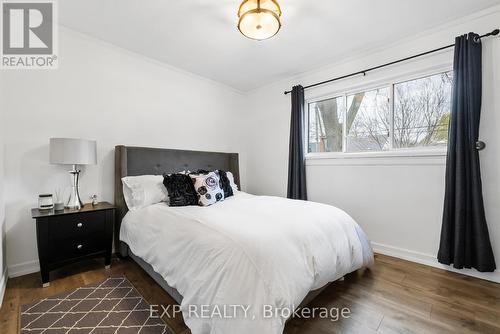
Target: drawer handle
(79, 246)
(79, 225)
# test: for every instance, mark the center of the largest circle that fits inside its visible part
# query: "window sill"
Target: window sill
(396, 157)
(379, 154)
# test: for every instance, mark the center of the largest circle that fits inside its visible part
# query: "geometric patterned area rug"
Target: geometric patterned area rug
(110, 306)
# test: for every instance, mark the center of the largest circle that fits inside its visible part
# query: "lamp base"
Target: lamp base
(74, 201)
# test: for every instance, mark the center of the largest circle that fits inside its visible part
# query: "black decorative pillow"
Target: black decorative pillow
(180, 189)
(225, 184)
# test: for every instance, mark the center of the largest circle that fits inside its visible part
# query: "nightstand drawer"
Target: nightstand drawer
(66, 249)
(77, 225)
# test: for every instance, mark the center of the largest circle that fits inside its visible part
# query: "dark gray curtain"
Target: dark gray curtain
(465, 242)
(296, 164)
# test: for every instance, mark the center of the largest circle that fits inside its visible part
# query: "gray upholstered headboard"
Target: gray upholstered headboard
(133, 161)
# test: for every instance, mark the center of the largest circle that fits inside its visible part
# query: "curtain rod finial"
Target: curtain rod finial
(495, 32)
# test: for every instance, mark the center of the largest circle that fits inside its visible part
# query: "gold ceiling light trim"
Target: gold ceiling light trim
(259, 19)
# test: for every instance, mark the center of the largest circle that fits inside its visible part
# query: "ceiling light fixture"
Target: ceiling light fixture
(259, 19)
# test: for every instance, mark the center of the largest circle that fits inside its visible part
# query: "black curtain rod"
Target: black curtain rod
(493, 33)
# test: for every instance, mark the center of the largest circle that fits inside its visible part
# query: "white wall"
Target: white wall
(104, 93)
(3, 263)
(398, 201)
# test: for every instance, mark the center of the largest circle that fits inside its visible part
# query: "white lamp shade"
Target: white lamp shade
(72, 151)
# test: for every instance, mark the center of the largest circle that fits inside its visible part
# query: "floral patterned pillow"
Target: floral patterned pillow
(208, 188)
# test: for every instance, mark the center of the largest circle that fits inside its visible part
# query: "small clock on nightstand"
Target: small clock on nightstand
(69, 236)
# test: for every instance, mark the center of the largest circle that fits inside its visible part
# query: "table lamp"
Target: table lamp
(73, 151)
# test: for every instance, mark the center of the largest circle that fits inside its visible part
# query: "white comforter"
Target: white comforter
(255, 251)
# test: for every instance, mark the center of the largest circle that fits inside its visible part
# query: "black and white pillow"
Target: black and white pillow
(208, 188)
(180, 189)
(224, 180)
(230, 176)
(225, 184)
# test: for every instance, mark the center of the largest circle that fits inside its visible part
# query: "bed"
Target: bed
(251, 256)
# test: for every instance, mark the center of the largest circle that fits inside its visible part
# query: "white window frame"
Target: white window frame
(389, 82)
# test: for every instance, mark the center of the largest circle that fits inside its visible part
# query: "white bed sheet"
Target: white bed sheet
(247, 250)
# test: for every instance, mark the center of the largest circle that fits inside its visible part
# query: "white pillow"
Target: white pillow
(208, 188)
(230, 177)
(141, 191)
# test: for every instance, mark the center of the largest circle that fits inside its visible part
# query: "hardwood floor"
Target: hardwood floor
(395, 296)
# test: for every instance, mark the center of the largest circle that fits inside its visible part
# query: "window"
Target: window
(410, 114)
(368, 119)
(326, 124)
(422, 111)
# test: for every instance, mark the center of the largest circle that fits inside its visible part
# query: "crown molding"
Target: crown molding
(146, 59)
(285, 83)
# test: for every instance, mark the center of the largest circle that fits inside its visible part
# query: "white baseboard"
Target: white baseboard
(431, 260)
(3, 285)
(24, 268)
(30, 267)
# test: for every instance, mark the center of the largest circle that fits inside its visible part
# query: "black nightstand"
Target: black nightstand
(69, 236)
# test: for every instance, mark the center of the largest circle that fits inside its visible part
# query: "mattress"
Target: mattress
(260, 253)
